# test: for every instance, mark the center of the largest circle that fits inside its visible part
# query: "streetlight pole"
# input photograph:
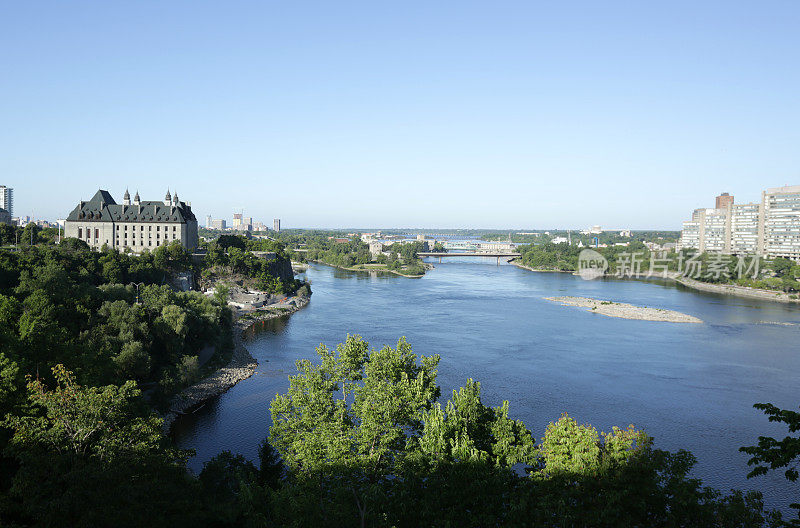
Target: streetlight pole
(137, 289)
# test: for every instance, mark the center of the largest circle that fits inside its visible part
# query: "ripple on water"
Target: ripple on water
(690, 386)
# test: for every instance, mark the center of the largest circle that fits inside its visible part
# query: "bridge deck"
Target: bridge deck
(467, 254)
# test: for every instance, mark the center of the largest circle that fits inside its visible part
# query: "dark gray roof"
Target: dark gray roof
(103, 208)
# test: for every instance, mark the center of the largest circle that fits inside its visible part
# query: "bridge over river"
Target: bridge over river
(493, 254)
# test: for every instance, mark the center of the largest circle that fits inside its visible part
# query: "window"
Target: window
(173, 228)
(80, 233)
(158, 228)
(96, 233)
(126, 227)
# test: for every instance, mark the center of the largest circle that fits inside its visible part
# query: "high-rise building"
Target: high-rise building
(7, 199)
(745, 228)
(276, 225)
(724, 200)
(781, 231)
(770, 228)
(208, 222)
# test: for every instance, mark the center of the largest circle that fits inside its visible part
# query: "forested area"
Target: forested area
(778, 274)
(335, 249)
(564, 257)
(91, 343)
(230, 258)
(359, 439)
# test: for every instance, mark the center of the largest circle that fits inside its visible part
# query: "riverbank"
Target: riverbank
(625, 311)
(723, 289)
(241, 366)
(737, 291)
(538, 270)
(427, 265)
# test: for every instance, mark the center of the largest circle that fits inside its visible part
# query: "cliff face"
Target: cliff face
(281, 267)
(249, 274)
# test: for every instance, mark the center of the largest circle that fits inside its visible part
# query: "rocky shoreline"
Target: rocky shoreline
(625, 311)
(737, 291)
(723, 289)
(428, 267)
(241, 366)
(537, 270)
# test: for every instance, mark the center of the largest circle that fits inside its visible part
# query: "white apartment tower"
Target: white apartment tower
(7, 199)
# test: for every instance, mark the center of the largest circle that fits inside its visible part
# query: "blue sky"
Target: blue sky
(402, 114)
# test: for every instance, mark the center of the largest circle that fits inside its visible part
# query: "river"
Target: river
(690, 386)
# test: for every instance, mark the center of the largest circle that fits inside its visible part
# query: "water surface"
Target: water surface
(691, 386)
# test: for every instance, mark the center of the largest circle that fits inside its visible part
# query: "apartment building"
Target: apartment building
(770, 228)
(7, 199)
(781, 206)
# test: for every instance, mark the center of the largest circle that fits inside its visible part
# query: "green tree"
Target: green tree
(772, 453)
(133, 361)
(88, 457)
(30, 234)
(468, 431)
(85, 421)
(350, 416)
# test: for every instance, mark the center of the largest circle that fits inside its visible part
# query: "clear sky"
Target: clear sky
(402, 114)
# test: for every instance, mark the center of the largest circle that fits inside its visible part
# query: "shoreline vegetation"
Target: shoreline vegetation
(625, 311)
(723, 289)
(360, 437)
(736, 290)
(349, 252)
(374, 268)
(241, 365)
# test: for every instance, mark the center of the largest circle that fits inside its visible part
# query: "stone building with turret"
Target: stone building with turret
(132, 226)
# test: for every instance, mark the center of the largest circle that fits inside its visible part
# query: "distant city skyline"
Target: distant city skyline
(435, 115)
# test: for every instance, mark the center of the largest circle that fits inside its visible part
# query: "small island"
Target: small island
(625, 311)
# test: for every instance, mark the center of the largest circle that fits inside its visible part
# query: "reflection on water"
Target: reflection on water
(270, 325)
(690, 386)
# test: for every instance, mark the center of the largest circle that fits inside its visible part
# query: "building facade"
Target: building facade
(781, 231)
(7, 199)
(723, 201)
(769, 228)
(132, 226)
(5, 216)
(276, 225)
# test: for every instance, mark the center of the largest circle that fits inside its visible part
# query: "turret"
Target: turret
(175, 201)
(126, 199)
(136, 200)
